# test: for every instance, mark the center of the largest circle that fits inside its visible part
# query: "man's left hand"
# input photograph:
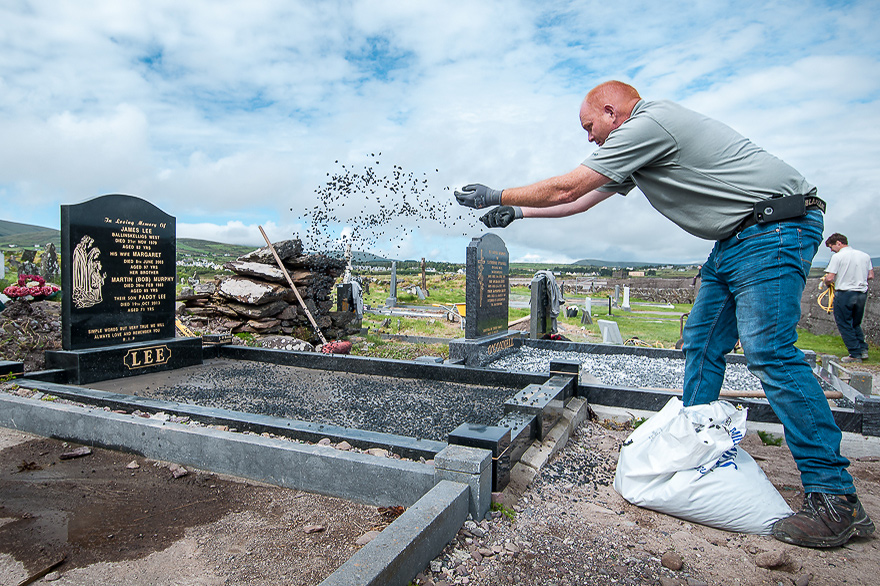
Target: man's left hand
(502, 216)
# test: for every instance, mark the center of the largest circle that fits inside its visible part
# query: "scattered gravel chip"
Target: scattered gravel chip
(623, 370)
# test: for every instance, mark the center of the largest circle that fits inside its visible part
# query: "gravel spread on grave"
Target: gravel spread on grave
(410, 407)
(622, 370)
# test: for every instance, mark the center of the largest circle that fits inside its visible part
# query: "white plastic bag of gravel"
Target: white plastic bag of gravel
(685, 462)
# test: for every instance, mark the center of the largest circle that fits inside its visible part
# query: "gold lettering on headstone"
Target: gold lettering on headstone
(496, 347)
(142, 357)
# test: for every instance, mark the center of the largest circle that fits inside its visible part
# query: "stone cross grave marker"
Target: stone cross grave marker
(118, 269)
(487, 289)
(391, 301)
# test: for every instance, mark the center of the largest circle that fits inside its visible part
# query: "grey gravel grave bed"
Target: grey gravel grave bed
(623, 370)
(410, 407)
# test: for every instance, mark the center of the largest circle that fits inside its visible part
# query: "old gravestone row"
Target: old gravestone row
(257, 299)
(47, 267)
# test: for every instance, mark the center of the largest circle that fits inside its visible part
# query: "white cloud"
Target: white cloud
(229, 116)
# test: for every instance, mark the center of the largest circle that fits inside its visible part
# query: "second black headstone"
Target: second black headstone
(487, 290)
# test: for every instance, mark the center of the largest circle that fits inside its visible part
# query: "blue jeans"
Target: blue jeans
(751, 291)
(849, 309)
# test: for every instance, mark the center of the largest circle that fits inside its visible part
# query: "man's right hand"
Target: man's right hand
(478, 196)
(502, 216)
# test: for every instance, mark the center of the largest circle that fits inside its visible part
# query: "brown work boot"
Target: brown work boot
(825, 520)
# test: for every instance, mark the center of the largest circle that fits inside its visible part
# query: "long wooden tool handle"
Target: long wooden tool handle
(744, 394)
(292, 286)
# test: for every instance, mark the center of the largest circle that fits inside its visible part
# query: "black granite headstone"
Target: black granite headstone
(345, 297)
(540, 320)
(487, 289)
(118, 268)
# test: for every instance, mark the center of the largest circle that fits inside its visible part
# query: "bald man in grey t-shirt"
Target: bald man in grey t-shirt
(767, 224)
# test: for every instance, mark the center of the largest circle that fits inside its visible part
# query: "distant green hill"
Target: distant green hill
(12, 228)
(28, 236)
(196, 247)
(592, 262)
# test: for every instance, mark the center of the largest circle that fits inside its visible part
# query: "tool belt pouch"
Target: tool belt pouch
(777, 209)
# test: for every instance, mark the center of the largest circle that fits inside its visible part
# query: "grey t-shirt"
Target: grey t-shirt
(696, 171)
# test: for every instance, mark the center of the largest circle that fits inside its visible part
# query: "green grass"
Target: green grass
(411, 326)
(768, 439)
(651, 329)
(510, 514)
(444, 292)
(376, 347)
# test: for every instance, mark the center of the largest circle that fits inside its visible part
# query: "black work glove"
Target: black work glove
(478, 196)
(502, 216)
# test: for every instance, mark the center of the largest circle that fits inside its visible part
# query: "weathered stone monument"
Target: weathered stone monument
(391, 301)
(49, 268)
(118, 269)
(587, 317)
(487, 297)
(27, 265)
(610, 332)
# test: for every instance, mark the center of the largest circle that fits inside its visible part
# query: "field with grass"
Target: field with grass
(648, 324)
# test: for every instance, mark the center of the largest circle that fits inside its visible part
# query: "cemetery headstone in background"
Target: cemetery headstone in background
(344, 297)
(27, 265)
(49, 268)
(487, 292)
(391, 301)
(487, 297)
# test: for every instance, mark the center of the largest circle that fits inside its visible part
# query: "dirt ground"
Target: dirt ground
(136, 526)
(113, 523)
(573, 528)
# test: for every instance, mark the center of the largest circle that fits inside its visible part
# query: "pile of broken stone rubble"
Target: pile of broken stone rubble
(258, 299)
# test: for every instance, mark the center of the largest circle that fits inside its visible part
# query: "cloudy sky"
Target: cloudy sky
(231, 115)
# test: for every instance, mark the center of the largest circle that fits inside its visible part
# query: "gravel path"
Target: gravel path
(623, 370)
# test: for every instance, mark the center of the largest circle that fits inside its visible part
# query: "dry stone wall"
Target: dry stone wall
(649, 289)
(257, 298)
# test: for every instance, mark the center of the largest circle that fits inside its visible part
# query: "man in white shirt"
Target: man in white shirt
(849, 271)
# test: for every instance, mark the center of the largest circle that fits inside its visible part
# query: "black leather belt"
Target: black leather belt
(777, 209)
